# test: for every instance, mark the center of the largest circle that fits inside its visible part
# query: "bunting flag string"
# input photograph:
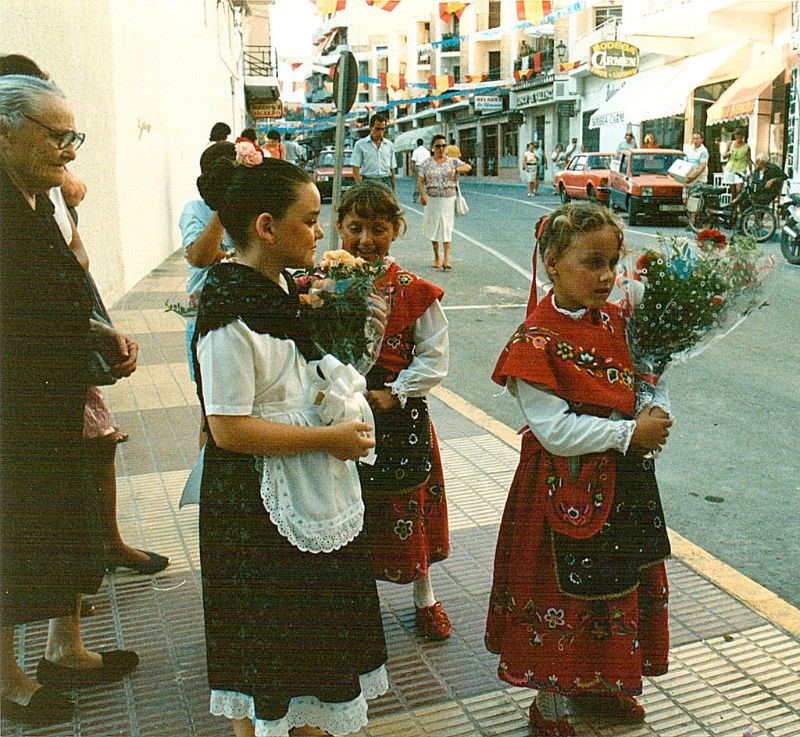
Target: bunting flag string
(534, 11)
(448, 10)
(327, 7)
(387, 5)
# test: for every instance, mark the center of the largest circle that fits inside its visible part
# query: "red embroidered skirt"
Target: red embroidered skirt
(549, 640)
(407, 529)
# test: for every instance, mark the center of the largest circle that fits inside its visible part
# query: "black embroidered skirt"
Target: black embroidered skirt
(279, 622)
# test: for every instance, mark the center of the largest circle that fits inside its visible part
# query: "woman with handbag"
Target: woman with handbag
(404, 490)
(438, 188)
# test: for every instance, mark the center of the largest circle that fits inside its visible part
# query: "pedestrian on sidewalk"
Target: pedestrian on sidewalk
(294, 637)
(578, 606)
(404, 490)
(438, 186)
(530, 166)
(51, 548)
(418, 157)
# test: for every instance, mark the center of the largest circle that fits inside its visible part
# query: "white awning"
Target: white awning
(661, 92)
(407, 140)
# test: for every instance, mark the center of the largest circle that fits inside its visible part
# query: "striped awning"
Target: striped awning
(739, 100)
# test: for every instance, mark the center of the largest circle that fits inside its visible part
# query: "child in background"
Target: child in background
(294, 635)
(404, 490)
(578, 606)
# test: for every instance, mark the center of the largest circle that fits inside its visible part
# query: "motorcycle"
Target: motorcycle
(790, 234)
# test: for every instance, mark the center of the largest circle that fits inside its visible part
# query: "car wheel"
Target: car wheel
(591, 194)
(562, 192)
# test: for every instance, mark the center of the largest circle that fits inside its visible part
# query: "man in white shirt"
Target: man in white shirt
(294, 151)
(572, 149)
(373, 157)
(418, 157)
(628, 143)
(697, 155)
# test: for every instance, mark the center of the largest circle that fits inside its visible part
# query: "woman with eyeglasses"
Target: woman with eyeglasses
(437, 185)
(50, 547)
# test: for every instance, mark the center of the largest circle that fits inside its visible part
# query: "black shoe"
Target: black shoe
(45, 707)
(116, 665)
(155, 564)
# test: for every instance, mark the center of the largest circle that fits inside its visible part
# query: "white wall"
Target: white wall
(146, 81)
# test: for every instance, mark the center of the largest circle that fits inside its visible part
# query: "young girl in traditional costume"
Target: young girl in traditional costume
(293, 626)
(404, 490)
(579, 599)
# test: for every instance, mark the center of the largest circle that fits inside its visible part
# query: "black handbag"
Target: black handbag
(99, 370)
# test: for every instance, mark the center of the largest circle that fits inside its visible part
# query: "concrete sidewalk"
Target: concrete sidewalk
(735, 660)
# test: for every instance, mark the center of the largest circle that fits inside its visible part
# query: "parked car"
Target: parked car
(584, 178)
(639, 183)
(323, 172)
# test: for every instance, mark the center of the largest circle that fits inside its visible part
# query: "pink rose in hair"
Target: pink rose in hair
(247, 154)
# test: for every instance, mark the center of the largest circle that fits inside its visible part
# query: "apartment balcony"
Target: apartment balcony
(260, 72)
(533, 65)
(451, 45)
(424, 59)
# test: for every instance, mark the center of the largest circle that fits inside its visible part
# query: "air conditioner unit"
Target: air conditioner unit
(565, 88)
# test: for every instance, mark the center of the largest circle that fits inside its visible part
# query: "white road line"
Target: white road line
(549, 209)
(494, 252)
(484, 307)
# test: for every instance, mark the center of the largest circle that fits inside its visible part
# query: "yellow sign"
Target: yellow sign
(266, 109)
(613, 59)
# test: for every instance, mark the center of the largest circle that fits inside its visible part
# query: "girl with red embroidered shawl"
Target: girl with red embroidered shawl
(406, 509)
(578, 606)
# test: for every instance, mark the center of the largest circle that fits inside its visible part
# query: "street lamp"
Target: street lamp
(561, 51)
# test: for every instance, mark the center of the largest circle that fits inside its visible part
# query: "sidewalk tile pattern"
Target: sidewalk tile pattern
(730, 669)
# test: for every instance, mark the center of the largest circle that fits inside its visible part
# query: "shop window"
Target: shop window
(457, 72)
(494, 13)
(604, 15)
(510, 140)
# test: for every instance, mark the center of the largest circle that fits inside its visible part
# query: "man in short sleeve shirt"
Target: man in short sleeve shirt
(373, 156)
(697, 155)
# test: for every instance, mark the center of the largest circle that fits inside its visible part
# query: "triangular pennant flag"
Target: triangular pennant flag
(326, 7)
(441, 82)
(534, 11)
(387, 5)
(568, 66)
(448, 10)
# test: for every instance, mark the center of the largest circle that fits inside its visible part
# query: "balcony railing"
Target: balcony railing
(450, 42)
(539, 62)
(259, 61)
(423, 58)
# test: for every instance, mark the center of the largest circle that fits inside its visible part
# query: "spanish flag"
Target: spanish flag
(387, 5)
(448, 10)
(534, 11)
(326, 7)
(441, 82)
(392, 81)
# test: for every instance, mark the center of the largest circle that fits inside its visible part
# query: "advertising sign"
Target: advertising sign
(266, 109)
(488, 103)
(613, 59)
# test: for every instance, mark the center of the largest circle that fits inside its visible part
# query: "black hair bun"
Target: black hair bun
(213, 183)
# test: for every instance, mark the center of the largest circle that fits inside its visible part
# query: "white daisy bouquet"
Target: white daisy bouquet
(683, 296)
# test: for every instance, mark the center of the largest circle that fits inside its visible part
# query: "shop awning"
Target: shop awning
(407, 140)
(661, 92)
(739, 100)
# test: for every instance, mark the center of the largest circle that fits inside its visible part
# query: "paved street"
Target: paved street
(729, 475)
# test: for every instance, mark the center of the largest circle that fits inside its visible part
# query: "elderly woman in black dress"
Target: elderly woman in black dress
(50, 549)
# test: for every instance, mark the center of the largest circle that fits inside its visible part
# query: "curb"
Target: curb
(753, 595)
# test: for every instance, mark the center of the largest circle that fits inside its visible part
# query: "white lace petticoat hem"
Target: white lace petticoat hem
(336, 718)
(310, 536)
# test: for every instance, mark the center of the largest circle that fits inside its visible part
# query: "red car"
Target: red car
(323, 172)
(584, 178)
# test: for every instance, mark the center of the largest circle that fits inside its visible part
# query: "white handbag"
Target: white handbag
(462, 208)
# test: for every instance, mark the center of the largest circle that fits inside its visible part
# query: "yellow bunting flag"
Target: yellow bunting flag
(441, 82)
(448, 10)
(534, 10)
(326, 7)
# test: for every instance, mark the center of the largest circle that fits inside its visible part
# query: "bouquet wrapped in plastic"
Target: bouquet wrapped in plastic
(339, 301)
(682, 296)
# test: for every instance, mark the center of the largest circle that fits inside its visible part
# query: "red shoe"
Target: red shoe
(542, 727)
(433, 622)
(619, 705)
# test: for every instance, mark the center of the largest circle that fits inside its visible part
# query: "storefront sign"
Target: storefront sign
(266, 109)
(613, 59)
(487, 103)
(566, 109)
(532, 97)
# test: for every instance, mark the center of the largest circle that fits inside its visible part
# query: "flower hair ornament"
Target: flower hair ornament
(248, 155)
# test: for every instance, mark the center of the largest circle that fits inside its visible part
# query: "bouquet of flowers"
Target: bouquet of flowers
(339, 300)
(682, 296)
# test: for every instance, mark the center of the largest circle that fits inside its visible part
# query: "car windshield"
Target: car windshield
(328, 158)
(599, 162)
(654, 163)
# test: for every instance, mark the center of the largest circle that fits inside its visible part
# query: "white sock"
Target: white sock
(423, 592)
(552, 706)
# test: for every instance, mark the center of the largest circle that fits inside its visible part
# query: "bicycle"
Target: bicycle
(752, 215)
